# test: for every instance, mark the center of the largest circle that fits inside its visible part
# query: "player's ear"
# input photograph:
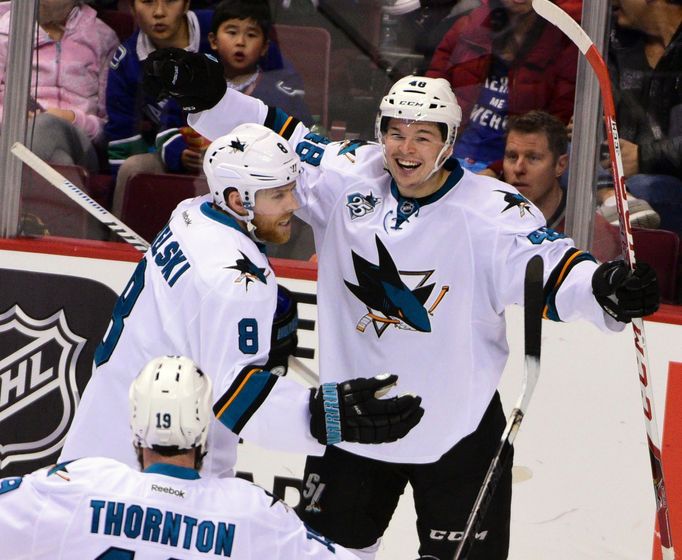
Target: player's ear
(234, 201)
(212, 40)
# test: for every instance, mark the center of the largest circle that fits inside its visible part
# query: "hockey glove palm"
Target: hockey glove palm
(284, 340)
(196, 80)
(353, 411)
(626, 294)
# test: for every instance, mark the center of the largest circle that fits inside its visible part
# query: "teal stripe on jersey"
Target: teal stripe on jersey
(243, 398)
(571, 258)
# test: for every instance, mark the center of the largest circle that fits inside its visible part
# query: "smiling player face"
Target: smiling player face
(412, 148)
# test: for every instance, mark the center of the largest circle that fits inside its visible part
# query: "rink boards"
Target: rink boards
(583, 485)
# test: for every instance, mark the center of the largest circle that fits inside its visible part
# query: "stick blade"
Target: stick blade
(533, 304)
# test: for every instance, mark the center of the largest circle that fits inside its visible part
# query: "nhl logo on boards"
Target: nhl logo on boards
(38, 393)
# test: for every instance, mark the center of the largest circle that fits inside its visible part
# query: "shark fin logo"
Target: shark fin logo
(389, 300)
(249, 272)
(515, 200)
(37, 372)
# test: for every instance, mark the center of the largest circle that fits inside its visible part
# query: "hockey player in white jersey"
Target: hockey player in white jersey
(205, 290)
(101, 508)
(417, 260)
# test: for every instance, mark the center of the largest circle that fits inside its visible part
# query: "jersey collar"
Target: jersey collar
(229, 221)
(172, 470)
(456, 174)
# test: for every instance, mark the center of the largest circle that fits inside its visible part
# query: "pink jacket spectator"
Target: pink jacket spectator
(541, 78)
(72, 74)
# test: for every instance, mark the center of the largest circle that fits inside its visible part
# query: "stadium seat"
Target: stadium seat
(308, 49)
(121, 22)
(660, 249)
(149, 199)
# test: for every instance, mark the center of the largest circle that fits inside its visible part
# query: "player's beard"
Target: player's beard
(271, 229)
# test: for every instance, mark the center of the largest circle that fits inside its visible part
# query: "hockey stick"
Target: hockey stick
(74, 193)
(555, 15)
(533, 302)
(117, 226)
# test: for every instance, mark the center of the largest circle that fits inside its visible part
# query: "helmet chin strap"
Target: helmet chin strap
(442, 157)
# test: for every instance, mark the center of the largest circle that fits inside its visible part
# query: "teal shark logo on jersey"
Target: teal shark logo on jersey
(360, 205)
(349, 147)
(389, 300)
(515, 200)
(249, 272)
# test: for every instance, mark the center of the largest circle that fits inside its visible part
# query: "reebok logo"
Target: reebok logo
(168, 490)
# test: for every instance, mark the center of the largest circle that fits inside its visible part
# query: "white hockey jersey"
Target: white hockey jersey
(418, 287)
(206, 291)
(100, 508)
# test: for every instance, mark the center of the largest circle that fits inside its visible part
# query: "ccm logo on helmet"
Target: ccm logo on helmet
(411, 103)
(168, 490)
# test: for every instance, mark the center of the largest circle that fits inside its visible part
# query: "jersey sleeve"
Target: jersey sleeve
(121, 128)
(567, 275)
(19, 509)
(233, 109)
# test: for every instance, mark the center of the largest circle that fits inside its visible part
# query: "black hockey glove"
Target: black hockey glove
(284, 340)
(196, 80)
(353, 411)
(626, 294)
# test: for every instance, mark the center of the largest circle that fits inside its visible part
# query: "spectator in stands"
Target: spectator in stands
(535, 156)
(503, 59)
(645, 62)
(73, 50)
(145, 135)
(239, 36)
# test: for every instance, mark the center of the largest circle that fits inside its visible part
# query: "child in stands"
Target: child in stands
(239, 36)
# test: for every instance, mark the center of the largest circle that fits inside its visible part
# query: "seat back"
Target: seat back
(122, 22)
(149, 199)
(660, 249)
(308, 49)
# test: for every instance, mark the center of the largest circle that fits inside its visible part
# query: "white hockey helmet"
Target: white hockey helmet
(249, 158)
(418, 98)
(170, 404)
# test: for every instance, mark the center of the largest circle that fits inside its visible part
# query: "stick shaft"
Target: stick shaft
(77, 195)
(555, 15)
(306, 373)
(533, 304)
